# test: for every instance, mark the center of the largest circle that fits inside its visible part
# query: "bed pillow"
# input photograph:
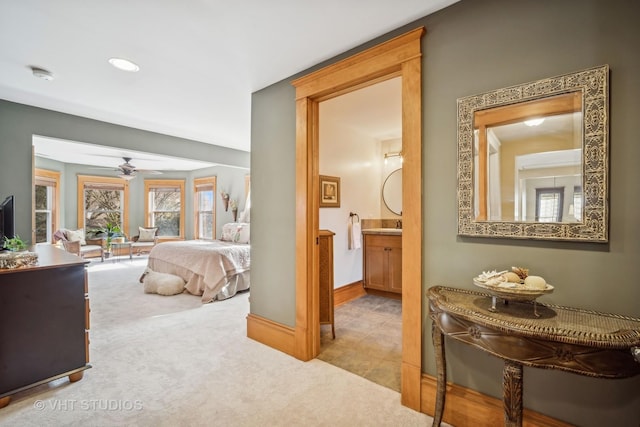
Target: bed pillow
(76, 236)
(237, 232)
(243, 232)
(146, 234)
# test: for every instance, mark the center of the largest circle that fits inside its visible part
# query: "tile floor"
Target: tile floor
(368, 339)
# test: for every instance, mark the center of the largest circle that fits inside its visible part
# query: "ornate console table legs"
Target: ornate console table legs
(512, 393)
(441, 368)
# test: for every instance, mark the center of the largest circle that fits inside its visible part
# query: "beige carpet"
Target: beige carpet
(167, 361)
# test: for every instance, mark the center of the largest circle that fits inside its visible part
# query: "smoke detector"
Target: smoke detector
(41, 73)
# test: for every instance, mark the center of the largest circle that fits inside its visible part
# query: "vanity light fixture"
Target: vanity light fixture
(534, 122)
(124, 64)
(388, 155)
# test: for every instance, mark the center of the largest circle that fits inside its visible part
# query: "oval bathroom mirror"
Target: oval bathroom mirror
(392, 192)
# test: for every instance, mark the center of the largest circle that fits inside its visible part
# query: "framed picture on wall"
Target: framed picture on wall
(329, 191)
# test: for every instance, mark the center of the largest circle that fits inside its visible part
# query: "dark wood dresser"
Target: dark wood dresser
(44, 322)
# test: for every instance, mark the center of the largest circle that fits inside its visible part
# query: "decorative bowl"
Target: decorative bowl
(513, 291)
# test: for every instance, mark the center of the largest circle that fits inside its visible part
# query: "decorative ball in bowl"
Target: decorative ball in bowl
(515, 285)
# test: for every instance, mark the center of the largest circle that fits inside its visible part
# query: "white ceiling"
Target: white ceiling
(107, 157)
(200, 60)
(375, 110)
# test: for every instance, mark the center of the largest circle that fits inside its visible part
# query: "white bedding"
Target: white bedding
(213, 269)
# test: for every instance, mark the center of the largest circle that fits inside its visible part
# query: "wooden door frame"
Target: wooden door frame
(400, 56)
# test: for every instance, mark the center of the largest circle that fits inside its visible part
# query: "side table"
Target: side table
(120, 245)
(569, 339)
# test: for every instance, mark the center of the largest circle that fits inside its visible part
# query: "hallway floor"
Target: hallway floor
(368, 339)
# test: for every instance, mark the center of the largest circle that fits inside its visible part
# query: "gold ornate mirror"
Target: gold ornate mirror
(533, 159)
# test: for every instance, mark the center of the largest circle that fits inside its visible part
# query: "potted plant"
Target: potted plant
(14, 244)
(109, 231)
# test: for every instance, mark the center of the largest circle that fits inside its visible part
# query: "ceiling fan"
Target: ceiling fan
(129, 171)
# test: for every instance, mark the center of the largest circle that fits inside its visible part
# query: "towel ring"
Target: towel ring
(351, 215)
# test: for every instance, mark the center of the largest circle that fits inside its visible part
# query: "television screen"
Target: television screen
(7, 220)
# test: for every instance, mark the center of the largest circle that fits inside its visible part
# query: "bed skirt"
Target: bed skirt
(195, 283)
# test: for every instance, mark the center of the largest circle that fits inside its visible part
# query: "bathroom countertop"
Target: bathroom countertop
(392, 231)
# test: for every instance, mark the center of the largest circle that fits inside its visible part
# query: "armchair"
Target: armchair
(75, 243)
(146, 239)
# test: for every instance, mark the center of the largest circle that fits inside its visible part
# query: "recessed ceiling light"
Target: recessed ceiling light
(534, 122)
(124, 64)
(41, 73)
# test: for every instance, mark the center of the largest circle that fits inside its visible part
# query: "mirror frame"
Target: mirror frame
(593, 83)
(384, 185)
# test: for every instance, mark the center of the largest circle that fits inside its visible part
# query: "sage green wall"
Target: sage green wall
(229, 178)
(18, 123)
(273, 203)
(471, 47)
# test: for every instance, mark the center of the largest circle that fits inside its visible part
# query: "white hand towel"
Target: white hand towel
(355, 236)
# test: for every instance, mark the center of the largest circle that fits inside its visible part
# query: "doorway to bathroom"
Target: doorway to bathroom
(360, 143)
(400, 56)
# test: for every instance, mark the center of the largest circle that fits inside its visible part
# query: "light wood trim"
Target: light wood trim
(55, 177)
(307, 225)
(467, 407)
(399, 56)
(366, 68)
(271, 333)
(211, 180)
(347, 293)
(158, 183)
(559, 104)
(412, 232)
(87, 179)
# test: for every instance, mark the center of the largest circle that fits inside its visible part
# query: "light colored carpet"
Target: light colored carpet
(169, 360)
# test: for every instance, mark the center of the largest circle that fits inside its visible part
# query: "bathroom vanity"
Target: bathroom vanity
(382, 252)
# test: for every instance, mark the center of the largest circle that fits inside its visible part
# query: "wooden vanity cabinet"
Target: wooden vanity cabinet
(383, 262)
(44, 322)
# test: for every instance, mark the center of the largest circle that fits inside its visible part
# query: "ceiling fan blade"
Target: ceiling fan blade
(104, 167)
(148, 171)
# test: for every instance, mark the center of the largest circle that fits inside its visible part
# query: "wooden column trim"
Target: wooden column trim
(400, 56)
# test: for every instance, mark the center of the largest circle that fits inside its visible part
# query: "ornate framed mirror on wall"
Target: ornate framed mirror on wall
(533, 159)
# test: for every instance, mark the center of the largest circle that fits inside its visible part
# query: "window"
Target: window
(102, 200)
(47, 200)
(164, 206)
(549, 204)
(577, 202)
(205, 207)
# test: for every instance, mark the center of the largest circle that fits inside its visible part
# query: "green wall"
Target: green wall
(18, 123)
(471, 47)
(231, 179)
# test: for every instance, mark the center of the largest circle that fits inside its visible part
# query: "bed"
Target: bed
(213, 269)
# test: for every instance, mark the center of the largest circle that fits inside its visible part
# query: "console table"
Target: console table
(569, 339)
